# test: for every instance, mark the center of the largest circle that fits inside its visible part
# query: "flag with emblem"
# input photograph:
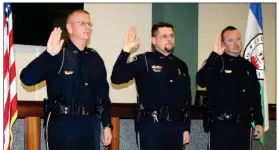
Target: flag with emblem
(254, 52)
(10, 94)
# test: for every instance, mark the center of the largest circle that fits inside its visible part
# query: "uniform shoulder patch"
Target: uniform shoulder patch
(132, 59)
(139, 56)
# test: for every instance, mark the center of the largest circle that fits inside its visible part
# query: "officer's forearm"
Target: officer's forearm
(122, 71)
(212, 67)
(106, 116)
(259, 119)
(256, 97)
(35, 71)
(186, 125)
(106, 120)
(258, 116)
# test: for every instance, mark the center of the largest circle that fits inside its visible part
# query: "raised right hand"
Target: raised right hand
(131, 40)
(218, 45)
(54, 43)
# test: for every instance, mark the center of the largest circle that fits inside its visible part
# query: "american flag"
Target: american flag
(10, 94)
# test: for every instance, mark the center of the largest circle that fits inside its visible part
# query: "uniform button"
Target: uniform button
(86, 83)
(171, 81)
(243, 90)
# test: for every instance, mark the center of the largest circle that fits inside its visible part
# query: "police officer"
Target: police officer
(77, 88)
(163, 87)
(233, 94)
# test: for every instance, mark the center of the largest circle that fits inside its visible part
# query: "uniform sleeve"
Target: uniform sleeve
(212, 66)
(104, 92)
(188, 98)
(256, 97)
(123, 71)
(35, 71)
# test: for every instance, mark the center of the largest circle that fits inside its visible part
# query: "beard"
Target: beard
(169, 49)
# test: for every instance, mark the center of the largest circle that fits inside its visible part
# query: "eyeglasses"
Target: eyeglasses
(83, 23)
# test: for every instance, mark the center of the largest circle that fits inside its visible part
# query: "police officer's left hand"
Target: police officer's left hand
(259, 131)
(106, 139)
(186, 137)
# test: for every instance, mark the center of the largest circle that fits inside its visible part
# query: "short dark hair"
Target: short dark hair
(228, 28)
(160, 25)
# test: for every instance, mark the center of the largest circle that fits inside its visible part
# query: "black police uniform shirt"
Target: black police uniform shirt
(232, 85)
(160, 80)
(81, 79)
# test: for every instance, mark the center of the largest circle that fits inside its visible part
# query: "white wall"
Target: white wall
(111, 22)
(214, 17)
(24, 54)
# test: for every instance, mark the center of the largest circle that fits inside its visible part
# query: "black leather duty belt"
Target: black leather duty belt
(75, 110)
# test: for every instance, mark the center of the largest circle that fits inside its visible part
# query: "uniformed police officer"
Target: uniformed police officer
(77, 88)
(163, 86)
(233, 94)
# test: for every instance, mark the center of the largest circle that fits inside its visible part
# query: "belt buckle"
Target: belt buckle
(84, 113)
(227, 116)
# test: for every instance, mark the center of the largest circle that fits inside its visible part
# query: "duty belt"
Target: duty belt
(75, 110)
(164, 116)
(234, 117)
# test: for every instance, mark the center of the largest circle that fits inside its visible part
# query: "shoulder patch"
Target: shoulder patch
(139, 56)
(132, 59)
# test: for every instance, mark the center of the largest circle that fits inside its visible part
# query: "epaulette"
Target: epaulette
(93, 50)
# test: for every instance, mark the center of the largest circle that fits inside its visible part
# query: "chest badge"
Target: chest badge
(157, 68)
(68, 72)
(228, 71)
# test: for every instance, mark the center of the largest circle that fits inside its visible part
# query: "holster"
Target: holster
(185, 113)
(100, 108)
(208, 119)
(139, 115)
(46, 110)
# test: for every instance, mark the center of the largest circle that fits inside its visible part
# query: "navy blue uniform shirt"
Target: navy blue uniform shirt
(160, 80)
(232, 85)
(80, 76)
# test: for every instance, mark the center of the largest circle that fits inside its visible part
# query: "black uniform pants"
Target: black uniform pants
(226, 135)
(73, 133)
(161, 136)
